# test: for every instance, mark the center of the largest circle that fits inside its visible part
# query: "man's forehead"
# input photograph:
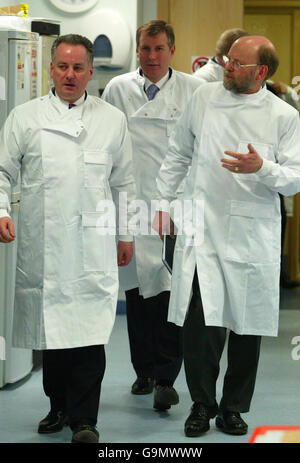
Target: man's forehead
(159, 37)
(243, 50)
(72, 53)
(70, 49)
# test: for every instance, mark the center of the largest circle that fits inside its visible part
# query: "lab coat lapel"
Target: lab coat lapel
(57, 120)
(162, 106)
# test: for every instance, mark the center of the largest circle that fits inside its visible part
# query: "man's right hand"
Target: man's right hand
(7, 230)
(163, 224)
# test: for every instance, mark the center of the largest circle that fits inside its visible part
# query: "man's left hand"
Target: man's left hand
(243, 163)
(125, 252)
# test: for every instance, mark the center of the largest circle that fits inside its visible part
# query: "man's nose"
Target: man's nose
(152, 54)
(70, 73)
(229, 66)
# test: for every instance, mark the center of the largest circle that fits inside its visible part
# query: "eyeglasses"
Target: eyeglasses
(236, 64)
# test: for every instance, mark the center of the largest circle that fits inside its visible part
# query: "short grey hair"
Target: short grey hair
(227, 38)
(74, 39)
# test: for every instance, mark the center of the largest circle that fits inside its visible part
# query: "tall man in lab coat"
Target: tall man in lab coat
(72, 160)
(231, 269)
(152, 98)
(213, 70)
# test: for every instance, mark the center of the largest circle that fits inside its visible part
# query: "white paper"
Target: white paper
(2, 88)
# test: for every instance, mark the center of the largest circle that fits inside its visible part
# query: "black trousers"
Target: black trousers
(72, 381)
(155, 344)
(203, 347)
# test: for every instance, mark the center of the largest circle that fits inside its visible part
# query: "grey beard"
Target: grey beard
(238, 88)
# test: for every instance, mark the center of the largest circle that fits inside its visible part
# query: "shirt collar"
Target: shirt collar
(160, 83)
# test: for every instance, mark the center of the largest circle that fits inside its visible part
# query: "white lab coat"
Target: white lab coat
(150, 124)
(238, 261)
(67, 274)
(210, 72)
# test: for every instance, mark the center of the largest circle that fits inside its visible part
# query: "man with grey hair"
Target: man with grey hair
(67, 274)
(213, 70)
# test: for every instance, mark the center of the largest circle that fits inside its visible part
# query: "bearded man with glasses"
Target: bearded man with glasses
(240, 146)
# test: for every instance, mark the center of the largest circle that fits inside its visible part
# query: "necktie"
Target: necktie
(71, 105)
(151, 91)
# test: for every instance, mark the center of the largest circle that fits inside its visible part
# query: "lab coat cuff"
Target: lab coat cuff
(127, 238)
(4, 213)
(163, 206)
(266, 168)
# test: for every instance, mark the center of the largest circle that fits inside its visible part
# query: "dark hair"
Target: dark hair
(227, 38)
(74, 39)
(267, 55)
(155, 27)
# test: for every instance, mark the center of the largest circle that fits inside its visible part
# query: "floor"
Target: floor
(125, 418)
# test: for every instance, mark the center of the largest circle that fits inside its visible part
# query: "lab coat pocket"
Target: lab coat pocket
(96, 168)
(99, 243)
(251, 233)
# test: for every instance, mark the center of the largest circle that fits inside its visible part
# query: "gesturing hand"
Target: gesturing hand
(243, 163)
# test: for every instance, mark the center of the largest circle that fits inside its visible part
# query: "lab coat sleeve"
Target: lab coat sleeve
(110, 94)
(283, 176)
(122, 182)
(107, 94)
(10, 160)
(179, 157)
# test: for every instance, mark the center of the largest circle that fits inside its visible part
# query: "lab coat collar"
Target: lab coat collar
(160, 83)
(65, 104)
(248, 96)
(57, 119)
(223, 97)
(164, 82)
(163, 106)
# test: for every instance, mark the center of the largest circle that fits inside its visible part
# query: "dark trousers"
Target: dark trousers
(72, 381)
(155, 344)
(203, 347)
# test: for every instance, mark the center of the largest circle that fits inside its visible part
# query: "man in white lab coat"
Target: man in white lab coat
(213, 70)
(236, 248)
(152, 98)
(74, 155)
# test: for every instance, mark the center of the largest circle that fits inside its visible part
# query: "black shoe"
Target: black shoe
(53, 422)
(85, 434)
(142, 386)
(231, 423)
(164, 397)
(197, 422)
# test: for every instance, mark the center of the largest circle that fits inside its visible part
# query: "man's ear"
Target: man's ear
(172, 50)
(262, 72)
(51, 69)
(91, 72)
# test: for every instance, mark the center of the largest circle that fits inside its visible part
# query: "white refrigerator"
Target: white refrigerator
(18, 84)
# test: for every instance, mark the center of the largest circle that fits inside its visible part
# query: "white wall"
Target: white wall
(134, 12)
